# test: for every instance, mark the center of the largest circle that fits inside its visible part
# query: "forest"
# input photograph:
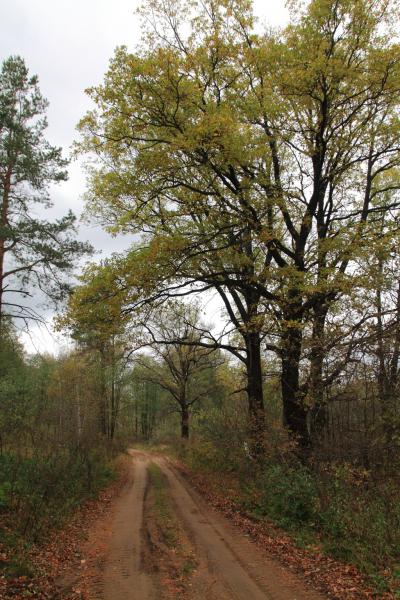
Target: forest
(251, 330)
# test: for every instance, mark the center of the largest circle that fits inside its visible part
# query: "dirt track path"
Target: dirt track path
(123, 573)
(114, 546)
(229, 566)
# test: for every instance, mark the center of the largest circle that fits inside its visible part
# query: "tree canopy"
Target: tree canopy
(256, 164)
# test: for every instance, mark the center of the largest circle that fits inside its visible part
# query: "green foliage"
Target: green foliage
(41, 492)
(220, 433)
(18, 566)
(34, 247)
(360, 520)
(52, 457)
(5, 493)
(287, 494)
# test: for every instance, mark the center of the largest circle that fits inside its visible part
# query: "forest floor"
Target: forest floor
(159, 534)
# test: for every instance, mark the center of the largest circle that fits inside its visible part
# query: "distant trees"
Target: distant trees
(99, 331)
(34, 252)
(13, 405)
(182, 367)
(182, 353)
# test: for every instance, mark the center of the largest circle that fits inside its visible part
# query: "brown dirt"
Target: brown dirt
(121, 564)
(168, 554)
(113, 566)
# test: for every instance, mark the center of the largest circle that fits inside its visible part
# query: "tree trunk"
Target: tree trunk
(294, 411)
(113, 410)
(255, 393)
(136, 411)
(103, 394)
(382, 374)
(316, 387)
(3, 224)
(184, 422)
(394, 360)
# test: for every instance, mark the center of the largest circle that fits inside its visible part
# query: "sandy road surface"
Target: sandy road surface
(119, 574)
(229, 566)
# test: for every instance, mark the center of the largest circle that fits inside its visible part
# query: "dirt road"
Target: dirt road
(165, 543)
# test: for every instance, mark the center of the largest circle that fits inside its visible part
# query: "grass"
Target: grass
(178, 556)
(162, 512)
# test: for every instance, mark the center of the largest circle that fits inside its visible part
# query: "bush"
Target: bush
(360, 520)
(42, 491)
(288, 495)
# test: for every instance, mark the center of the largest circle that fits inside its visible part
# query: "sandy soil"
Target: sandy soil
(228, 565)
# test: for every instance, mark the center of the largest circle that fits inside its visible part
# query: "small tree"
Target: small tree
(182, 364)
(32, 250)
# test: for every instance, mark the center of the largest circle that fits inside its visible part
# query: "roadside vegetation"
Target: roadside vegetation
(51, 457)
(333, 508)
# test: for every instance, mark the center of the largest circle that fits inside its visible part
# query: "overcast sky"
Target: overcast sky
(68, 44)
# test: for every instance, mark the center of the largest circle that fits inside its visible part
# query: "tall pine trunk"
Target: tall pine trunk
(3, 225)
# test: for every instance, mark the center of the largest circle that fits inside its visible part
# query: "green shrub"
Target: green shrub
(288, 495)
(42, 491)
(359, 522)
(5, 488)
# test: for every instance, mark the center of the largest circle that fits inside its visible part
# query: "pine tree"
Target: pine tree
(34, 252)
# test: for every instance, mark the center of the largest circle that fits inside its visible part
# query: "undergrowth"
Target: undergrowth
(37, 495)
(340, 509)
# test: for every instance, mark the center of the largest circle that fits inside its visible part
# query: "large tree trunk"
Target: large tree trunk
(184, 421)
(316, 386)
(249, 329)
(294, 411)
(255, 392)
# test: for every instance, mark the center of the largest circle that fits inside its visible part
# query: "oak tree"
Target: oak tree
(254, 164)
(182, 365)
